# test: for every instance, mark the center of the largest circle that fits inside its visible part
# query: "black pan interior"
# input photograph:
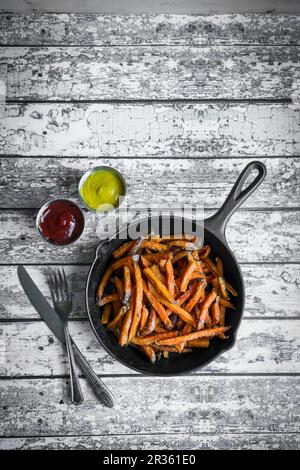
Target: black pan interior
(177, 363)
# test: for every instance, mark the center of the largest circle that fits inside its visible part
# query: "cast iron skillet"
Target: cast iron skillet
(214, 235)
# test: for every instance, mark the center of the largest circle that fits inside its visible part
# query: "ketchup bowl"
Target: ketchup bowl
(60, 222)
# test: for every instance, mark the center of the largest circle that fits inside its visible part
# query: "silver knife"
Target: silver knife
(53, 321)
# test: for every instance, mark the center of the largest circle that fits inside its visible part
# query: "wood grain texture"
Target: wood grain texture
(153, 129)
(150, 72)
(191, 181)
(271, 291)
(153, 6)
(37, 407)
(254, 236)
(270, 441)
(249, 397)
(111, 30)
(262, 347)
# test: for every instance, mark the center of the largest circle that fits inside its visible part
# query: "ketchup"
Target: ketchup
(61, 222)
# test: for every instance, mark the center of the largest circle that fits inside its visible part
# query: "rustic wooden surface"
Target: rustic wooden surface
(179, 104)
(151, 129)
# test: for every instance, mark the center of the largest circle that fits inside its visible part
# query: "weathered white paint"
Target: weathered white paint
(164, 29)
(152, 6)
(193, 181)
(153, 129)
(268, 441)
(198, 405)
(150, 72)
(262, 347)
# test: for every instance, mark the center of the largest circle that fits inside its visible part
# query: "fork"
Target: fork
(62, 302)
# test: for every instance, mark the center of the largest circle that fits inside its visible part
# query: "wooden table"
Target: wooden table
(179, 104)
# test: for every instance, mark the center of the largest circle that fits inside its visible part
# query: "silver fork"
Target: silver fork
(62, 302)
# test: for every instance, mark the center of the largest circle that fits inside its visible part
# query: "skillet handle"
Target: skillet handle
(217, 223)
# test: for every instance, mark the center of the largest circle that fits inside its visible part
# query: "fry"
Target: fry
(144, 317)
(157, 257)
(223, 288)
(204, 309)
(219, 267)
(157, 306)
(208, 333)
(117, 318)
(145, 262)
(159, 286)
(187, 329)
(119, 286)
(222, 320)
(198, 295)
(155, 338)
(151, 323)
(106, 314)
(170, 277)
(215, 313)
(187, 317)
(226, 303)
(160, 329)
(186, 276)
(127, 285)
(155, 268)
(178, 256)
(108, 298)
(138, 301)
(154, 245)
(149, 351)
(123, 339)
(187, 294)
(231, 289)
(222, 315)
(119, 252)
(198, 343)
(103, 282)
(204, 252)
(127, 261)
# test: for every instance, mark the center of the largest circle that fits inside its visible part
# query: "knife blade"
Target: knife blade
(41, 305)
(55, 324)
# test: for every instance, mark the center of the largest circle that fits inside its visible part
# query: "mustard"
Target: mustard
(101, 188)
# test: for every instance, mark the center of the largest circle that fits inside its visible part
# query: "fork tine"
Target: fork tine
(66, 284)
(52, 287)
(63, 289)
(57, 286)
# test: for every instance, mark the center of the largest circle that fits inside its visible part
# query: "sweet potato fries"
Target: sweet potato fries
(164, 295)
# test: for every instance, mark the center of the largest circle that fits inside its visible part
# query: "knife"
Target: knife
(55, 324)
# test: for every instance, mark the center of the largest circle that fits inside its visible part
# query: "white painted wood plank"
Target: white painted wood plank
(150, 72)
(153, 129)
(191, 181)
(93, 29)
(271, 291)
(262, 347)
(153, 6)
(199, 405)
(254, 236)
(269, 441)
